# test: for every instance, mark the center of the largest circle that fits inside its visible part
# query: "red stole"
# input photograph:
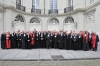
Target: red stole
(32, 38)
(86, 38)
(93, 41)
(8, 45)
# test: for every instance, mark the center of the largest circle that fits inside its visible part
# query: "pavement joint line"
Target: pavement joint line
(60, 53)
(5, 55)
(17, 54)
(28, 54)
(72, 54)
(50, 53)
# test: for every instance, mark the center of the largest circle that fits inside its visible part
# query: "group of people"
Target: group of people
(83, 40)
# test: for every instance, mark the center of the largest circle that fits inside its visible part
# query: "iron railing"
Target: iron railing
(36, 11)
(20, 7)
(53, 11)
(68, 9)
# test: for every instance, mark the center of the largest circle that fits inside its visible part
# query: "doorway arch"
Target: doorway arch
(53, 24)
(19, 23)
(35, 23)
(69, 23)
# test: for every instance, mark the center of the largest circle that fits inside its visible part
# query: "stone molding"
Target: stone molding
(45, 15)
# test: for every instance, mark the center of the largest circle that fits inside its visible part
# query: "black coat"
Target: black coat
(48, 38)
(75, 42)
(3, 38)
(28, 39)
(61, 41)
(55, 40)
(13, 40)
(24, 39)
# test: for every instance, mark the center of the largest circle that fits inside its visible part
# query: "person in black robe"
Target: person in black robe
(65, 40)
(19, 39)
(68, 41)
(28, 38)
(55, 40)
(3, 39)
(71, 42)
(61, 40)
(34, 32)
(39, 39)
(42, 39)
(80, 41)
(90, 39)
(85, 42)
(24, 39)
(13, 40)
(51, 43)
(75, 39)
(48, 41)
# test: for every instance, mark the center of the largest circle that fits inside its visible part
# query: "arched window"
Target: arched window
(69, 20)
(34, 20)
(19, 18)
(54, 21)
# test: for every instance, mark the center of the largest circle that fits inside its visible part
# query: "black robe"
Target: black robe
(65, 41)
(28, 39)
(68, 41)
(3, 38)
(71, 43)
(42, 39)
(75, 42)
(52, 43)
(13, 40)
(37, 41)
(19, 45)
(85, 45)
(55, 40)
(80, 42)
(48, 41)
(90, 40)
(61, 41)
(23, 37)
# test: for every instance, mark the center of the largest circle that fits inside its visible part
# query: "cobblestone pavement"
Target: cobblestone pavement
(52, 63)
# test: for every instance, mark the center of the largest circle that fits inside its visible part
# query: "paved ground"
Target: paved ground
(47, 54)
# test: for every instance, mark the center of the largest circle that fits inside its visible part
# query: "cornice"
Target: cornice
(93, 5)
(45, 15)
(1, 8)
(89, 11)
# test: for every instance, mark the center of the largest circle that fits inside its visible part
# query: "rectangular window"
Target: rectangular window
(36, 4)
(53, 4)
(70, 3)
(18, 2)
(91, 1)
